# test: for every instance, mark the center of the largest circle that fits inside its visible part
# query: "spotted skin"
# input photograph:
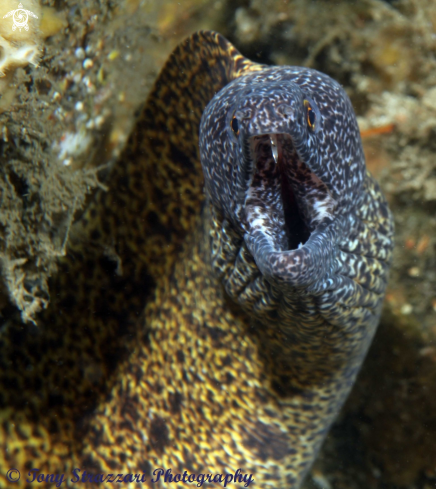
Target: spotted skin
(165, 344)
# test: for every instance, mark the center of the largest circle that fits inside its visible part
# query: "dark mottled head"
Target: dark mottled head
(282, 159)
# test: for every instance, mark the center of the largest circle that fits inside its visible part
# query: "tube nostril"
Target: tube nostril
(285, 111)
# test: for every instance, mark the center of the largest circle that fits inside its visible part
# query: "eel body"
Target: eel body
(261, 293)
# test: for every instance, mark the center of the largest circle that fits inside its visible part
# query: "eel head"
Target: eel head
(283, 163)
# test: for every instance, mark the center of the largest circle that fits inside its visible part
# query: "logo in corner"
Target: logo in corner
(20, 17)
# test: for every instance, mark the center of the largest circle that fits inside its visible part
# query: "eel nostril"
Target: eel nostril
(285, 111)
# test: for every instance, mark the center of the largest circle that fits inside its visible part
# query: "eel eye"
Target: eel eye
(310, 115)
(235, 126)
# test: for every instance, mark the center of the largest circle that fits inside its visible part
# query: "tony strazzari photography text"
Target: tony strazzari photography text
(159, 475)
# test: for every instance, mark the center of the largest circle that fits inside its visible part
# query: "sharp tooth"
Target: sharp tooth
(273, 139)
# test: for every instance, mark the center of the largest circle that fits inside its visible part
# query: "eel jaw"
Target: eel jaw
(289, 212)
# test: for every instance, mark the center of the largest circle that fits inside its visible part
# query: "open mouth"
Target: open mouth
(285, 201)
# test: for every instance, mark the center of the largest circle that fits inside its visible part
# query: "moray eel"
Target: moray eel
(207, 331)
